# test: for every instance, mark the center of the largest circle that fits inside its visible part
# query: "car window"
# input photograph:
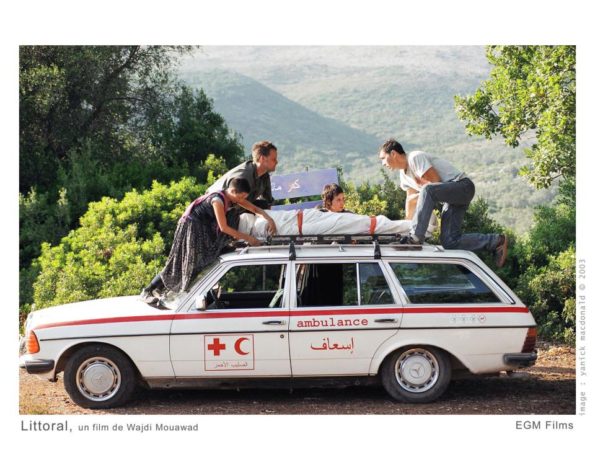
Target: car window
(173, 299)
(248, 286)
(374, 289)
(334, 285)
(442, 283)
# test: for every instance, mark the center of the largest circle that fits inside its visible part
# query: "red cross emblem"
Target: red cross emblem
(216, 346)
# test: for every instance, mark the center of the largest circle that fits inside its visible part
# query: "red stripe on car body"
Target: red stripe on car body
(285, 313)
(123, 319)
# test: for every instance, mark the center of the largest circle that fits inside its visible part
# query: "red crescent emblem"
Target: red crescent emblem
(238, 344)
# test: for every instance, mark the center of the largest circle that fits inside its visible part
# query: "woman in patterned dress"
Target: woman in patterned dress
(202, 233)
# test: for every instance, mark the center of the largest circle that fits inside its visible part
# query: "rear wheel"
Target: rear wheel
(99, 377)
(417, 374)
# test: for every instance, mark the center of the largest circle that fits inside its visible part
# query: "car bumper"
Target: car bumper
(520, 359)
(37, 366)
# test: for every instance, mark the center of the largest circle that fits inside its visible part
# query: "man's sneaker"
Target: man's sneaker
(147, 297)
(409, 239)
(501, 251)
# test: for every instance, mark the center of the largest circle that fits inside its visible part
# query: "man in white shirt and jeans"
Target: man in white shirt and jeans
(429, 180)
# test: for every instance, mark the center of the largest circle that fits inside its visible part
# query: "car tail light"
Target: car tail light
(32, 343)
(529, 345)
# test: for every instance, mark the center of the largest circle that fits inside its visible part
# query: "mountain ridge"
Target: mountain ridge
(293, 128)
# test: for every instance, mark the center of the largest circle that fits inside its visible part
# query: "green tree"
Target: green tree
(188, 131)
(531, 91)
(70, 94)
(124, 104)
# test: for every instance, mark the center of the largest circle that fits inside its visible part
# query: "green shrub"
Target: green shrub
(119, 246)
(553, 231)
(543, 267)
(40, 220)
(550, 292)
(27, 277)
(374, 206)
(386, 199)
(478, 220)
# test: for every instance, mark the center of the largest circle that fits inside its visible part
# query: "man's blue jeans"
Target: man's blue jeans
(455, 197)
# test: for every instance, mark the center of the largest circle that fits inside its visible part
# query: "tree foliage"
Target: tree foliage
(386, 198)
(478, 220)
(125, 101)
(531, 90)
(69, 94)
(550, 290)
(118, 247)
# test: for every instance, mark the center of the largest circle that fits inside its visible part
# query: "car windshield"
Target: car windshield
(172, 300)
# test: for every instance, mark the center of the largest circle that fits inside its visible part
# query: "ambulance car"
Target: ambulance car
(294, 313)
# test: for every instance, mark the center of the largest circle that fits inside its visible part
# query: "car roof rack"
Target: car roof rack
(378, 240)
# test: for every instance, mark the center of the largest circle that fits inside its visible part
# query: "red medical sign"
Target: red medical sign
(229, 352)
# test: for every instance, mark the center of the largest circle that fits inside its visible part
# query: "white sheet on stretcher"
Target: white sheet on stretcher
(315, 222)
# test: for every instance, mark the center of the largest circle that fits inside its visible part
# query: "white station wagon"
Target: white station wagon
(408, 317)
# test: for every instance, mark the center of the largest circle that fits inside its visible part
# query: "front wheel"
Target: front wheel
(417, 374)
(99, 377)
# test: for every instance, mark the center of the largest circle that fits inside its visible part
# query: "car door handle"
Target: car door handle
(274, 323)
(385, 320)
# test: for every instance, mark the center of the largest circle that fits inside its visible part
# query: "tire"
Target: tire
(416, 374)
(99, 377)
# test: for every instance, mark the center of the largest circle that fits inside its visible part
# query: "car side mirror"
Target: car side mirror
(200, 303)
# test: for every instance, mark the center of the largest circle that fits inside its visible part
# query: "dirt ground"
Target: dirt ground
(549, 387)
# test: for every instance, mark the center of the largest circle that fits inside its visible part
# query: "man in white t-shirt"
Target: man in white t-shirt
(429, 180)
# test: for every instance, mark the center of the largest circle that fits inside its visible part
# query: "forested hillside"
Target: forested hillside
(304, 137)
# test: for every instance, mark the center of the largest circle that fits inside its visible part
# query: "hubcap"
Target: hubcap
(417, 370)
(98, 379)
